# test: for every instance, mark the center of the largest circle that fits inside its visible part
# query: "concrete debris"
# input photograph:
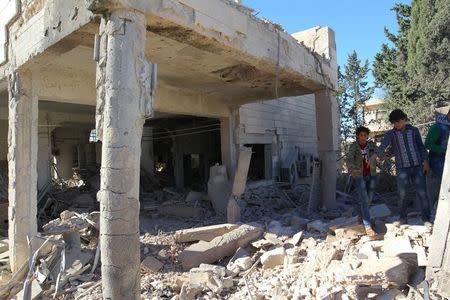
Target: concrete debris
(273, 258)
(294, 256)
(151, 264)
(206, 233)
(296, 239)
(240, 262)
(219, 247)
(62, 258)
(189, 291)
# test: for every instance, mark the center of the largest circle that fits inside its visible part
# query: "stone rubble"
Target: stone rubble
(283, 256)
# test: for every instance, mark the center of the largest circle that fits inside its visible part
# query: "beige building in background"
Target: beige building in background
(376, 117)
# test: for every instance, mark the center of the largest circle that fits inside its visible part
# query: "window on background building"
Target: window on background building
(93, 136)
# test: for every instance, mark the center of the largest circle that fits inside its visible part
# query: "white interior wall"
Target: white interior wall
(286, 123)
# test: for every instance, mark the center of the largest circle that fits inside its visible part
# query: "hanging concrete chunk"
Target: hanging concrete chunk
(206, 233)
(219, 247)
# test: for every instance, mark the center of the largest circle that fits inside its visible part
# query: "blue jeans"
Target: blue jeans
(403, 176)
(437, 165)
(366, 189)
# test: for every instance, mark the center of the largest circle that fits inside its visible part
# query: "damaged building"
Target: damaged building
(168, 87)
(125, 95)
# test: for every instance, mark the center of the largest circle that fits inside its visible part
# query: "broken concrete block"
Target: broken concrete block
(206, 233)
(241, 261)
(219, 247)
(422, 259)
(366, 251)
(273, 258)
(273, 238)
(318, 226)
(322, 255)
(347, 228)
(263, 243)
(190, 291)
(379, 211)
(218, 270)
(151, 264)
(219, 189)
(394, 270)
(394, 246)
(209, 276)
(180, 210)
(296, 239)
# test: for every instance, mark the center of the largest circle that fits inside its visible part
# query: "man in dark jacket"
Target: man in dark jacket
(363, 172)
(436, 142)
(411, 161)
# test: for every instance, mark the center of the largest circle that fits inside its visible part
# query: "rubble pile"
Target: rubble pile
(60, 199)
(323, 260)
(65, 259)
(276, 252)
(265, 203)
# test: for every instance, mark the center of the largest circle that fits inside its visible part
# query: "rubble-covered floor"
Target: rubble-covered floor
(283, 252)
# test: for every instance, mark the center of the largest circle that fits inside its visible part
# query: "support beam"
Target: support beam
(22, 157)
(124, 93)
(327, 123)
(228, 141)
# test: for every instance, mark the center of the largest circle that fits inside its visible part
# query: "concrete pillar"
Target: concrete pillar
(22, 157)
(147, 156)
(228, 127)
(327, 122)
(124, 93)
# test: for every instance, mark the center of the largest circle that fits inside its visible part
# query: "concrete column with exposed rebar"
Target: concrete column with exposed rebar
(123, 92)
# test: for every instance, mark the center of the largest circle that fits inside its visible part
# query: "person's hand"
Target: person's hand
(426, 168)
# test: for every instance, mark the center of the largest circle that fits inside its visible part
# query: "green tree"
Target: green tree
(429, 51)
(345, 105)
(389, 67)
(413, 67)
(357, 87)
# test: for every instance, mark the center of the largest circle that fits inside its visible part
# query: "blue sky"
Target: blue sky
(359, 24)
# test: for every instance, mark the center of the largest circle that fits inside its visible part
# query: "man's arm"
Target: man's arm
(420, 145)
(384, 143)
(432, 140)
